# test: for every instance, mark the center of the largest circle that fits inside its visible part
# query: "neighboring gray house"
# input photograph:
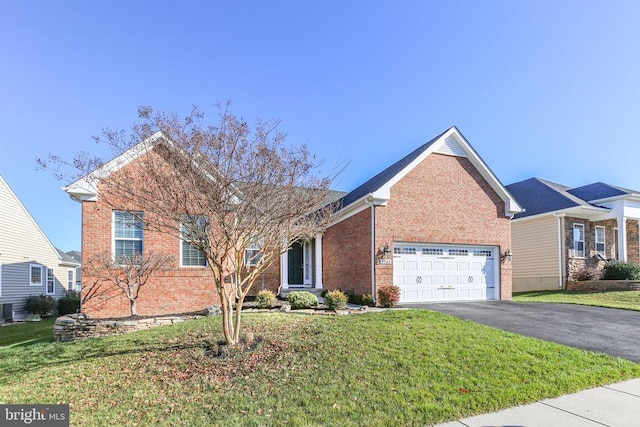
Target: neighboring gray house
(29, 263)
(72, 260)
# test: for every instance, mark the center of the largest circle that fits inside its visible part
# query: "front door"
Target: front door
(296, 264)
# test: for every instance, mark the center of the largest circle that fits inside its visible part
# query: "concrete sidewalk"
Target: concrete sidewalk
(612, 405)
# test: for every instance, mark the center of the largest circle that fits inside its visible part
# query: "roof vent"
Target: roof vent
(451, 147)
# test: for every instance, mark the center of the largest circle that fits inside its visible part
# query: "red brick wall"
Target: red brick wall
(444, 200)
(182, 290)
(346, 254)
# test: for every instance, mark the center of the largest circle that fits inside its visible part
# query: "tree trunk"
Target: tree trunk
(134, 310)
(227, 315)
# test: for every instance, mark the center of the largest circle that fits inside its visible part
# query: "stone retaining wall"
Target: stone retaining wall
(74, 327)
(604, 285)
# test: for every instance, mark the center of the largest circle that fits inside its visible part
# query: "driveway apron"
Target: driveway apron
(605, 330)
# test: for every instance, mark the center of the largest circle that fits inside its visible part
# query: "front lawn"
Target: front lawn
(629, 300)
(25, 333)
(393, 368)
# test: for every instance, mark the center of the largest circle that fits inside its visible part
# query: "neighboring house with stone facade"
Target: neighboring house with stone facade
(29, 263)
(436, 223)
(564, 229)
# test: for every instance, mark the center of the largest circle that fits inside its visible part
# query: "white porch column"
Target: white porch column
(318, 262)
(284, 270)
(622, 238)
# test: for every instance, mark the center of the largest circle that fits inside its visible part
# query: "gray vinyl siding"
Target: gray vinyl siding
(22, 243)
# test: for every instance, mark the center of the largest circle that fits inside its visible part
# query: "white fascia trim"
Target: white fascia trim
(86, 188)
(577, 211)
(510, 204)
(625, 198)
(358, 206)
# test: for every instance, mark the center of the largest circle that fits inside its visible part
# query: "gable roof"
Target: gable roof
(27, 215)
(386, 175)
(450, 142)
(539, 196)
(67, 259)
(85, 188)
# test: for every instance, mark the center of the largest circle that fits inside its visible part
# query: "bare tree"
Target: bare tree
(239, 195)
(128, 273)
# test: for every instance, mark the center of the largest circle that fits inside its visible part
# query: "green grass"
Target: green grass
(393, 368)
(25, 333)
(628, 300)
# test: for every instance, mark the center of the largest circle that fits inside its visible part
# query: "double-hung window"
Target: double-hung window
(51, 281)
(127, 234)
(194, 232)
(600, 241)
(35, 275)
(253, 254)
(578, 240)
(70, 280)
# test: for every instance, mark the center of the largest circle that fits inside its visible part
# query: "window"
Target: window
(252, 254)
(432, 251)
(35, 275)
(600, 243)
(404, 251)
(192, 230)
(51, 281)
(127, 233)
(482, 252)
(578, 240)
(458, 252)
(70, 280)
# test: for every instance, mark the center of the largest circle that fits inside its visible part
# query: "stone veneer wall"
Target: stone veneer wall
(604, 285)
(75, 327)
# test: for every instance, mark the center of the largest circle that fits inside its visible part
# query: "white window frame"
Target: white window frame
(253, 253)
(71, 279)
(31, 282)
(184, 242)
(137, 215)
(576, 241)
(51, 277)
(603, 242)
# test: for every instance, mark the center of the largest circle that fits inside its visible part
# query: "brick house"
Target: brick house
(436, 223)
(564, 229)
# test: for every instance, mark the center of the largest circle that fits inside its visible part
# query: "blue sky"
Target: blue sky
(539, 88)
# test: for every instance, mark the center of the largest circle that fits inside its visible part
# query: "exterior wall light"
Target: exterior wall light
(506, 255)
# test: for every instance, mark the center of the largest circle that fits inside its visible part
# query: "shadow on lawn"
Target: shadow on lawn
(28, 356)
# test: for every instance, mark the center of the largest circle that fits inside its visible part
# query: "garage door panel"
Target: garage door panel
(427, 273)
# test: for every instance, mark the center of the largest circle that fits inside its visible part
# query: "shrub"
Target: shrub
(587, 273)
(265, 299)
(68, 305)
(388, 295)
(354, 298)
(300, 300)
(72, 293)
(335, 300)
(40, 304)
(619, 270)
(367, 299)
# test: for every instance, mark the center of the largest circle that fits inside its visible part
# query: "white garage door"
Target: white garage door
(444, 272)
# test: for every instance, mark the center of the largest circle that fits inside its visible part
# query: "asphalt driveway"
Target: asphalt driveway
(606, 330)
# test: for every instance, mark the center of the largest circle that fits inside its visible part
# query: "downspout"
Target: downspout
(373, 245)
